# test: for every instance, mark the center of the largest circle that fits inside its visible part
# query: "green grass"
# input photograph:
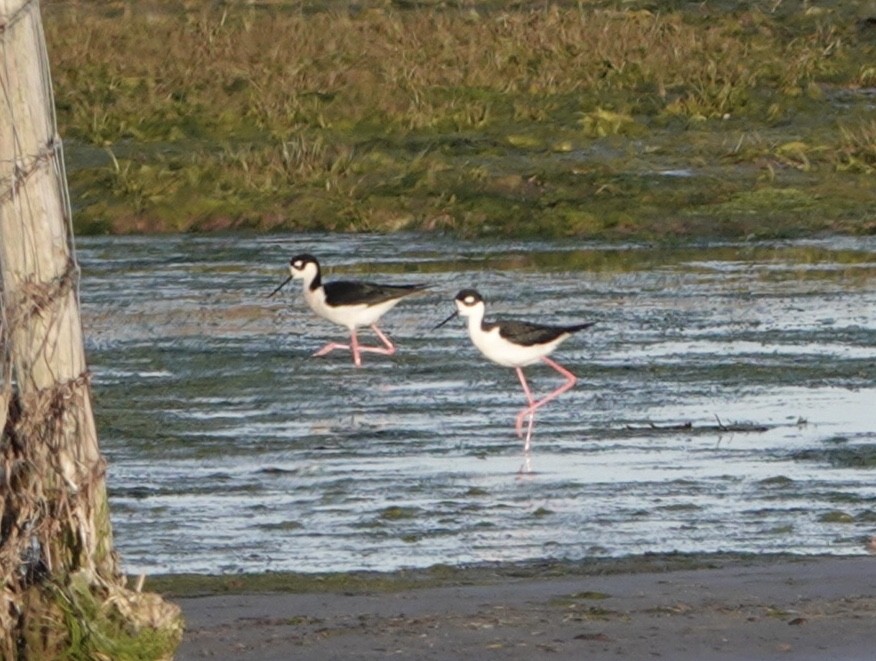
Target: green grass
(82, 623)
(468, 117)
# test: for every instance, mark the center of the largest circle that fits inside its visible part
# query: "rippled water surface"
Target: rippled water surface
(232, 449)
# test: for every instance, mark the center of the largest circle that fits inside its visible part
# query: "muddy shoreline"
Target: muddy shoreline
(670, 606)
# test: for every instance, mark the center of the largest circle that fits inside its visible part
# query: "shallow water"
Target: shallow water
(231, 449)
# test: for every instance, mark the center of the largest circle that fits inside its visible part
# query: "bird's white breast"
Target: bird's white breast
(501, 351)
(351, 316)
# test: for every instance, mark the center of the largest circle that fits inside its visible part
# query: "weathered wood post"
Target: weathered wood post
(61, 580)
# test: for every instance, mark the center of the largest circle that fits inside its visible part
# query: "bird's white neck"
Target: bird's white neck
(475, 317)
(308, 276)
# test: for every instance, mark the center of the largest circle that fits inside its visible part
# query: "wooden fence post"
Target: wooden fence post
(56, 547)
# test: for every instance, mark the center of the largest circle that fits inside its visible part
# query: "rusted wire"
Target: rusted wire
(21, 172)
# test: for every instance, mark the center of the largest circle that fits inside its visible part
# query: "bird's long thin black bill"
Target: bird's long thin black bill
(283, 284)
(446, 320)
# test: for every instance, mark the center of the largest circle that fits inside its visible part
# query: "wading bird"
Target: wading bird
(347, 303)
(515, 344)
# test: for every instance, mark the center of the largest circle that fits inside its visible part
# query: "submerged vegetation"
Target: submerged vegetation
(358, 582)
(594, 118)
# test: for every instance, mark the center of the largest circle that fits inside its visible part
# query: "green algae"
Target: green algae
(836, 516)
(841, 456)
(396, 513)
(362, 582)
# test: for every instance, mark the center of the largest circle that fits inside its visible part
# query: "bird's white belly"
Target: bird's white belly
(506, 353)
(350, 316)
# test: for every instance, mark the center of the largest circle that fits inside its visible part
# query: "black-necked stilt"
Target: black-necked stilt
(515, 344)
(346, 303)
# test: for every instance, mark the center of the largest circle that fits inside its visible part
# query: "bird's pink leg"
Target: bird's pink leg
(388, 349)
(571, 379)
(526, 466)
(353, 346)
(387, 343)
(328, 348)
(518, 426)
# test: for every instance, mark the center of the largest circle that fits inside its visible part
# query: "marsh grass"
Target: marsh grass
(93, 626)
(857, 149)
(469, 117)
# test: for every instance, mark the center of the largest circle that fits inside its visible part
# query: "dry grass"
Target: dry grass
(145, 73)
(857, 151)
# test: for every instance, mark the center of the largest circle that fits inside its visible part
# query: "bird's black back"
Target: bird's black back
(345, 292)
(527, 334)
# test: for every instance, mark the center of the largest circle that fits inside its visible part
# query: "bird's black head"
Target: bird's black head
(301, 266)
(298, 263)
(468, 298)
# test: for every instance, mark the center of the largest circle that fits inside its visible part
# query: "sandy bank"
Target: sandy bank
(818, 608)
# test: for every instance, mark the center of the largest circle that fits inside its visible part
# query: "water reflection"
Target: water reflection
(232, 449)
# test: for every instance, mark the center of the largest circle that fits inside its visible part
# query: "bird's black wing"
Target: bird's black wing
(344, 292)
(527, 334)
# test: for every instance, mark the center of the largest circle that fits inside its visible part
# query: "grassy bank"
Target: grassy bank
(595, 119)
